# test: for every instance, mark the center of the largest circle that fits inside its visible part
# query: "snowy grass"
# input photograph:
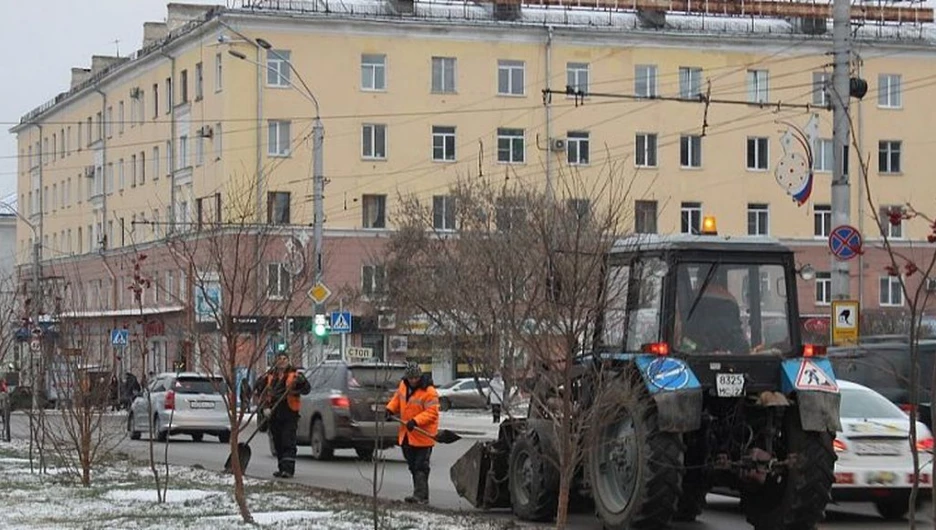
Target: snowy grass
(122, 496)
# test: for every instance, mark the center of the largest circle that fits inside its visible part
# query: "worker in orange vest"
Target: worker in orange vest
(416, 402)
(280, 405)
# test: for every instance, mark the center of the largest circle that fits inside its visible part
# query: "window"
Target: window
(199, 81)
(77, 145)
(121, 177)
(65, 141)
(169, 287)
(374, 141)
(219, 73)
(822, 220)
(645, 217)
(577, 148)
(757, 153)
(889, 91)
(98, 131)
(443, 143)
(646, 147)
(373, 72)
(183, 88)
(690, 151)
(757, 81)
(443, 75)
(169, 158)
(373, 279)
(218, 146)
(108, 123)
(645, 81)
(690, 217)
(510, 78)
(891, 293)
(823, 288)
(168, 95)
(443, 212)
(509, 213)
(199, 150)
(155, 100)
(278, 139)
(278, 73)
(133, 171)
(581, 208)
(374, 211)
(823, 155)
(758, 219)
(821, 81)
(120, 117)
(891, 230)
(156, 163)
(278, 207)
(279, 282)
(888, 156)
(690, 82)
(577, 77)
(510, 148)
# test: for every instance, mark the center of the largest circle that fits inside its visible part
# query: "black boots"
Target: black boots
(420, 489)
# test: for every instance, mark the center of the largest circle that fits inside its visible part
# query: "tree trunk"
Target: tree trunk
(562, 512)
(240, 495)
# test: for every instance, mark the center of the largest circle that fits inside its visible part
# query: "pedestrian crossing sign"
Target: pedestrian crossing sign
(341, 321)
(119, 337)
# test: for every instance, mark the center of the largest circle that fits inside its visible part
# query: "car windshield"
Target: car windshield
(448, 385)
(860, 403)
(375, 376)
(731, 308)
(199, 385)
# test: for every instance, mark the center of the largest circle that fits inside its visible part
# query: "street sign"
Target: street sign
(845, 242)
(319, 293)
(341, 321)
(35, 345)
(119, 337)
(360, 353)
(845, 321)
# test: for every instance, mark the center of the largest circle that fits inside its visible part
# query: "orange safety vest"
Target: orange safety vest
(422, 406)
(293, 400)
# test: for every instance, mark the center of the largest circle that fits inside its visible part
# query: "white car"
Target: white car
(183, 403)
(875, 463)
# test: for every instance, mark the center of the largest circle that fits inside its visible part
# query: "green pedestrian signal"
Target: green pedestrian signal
(320, 328)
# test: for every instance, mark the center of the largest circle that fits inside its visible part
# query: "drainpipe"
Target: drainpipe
(547, 102)
(861, 196)
(104, 189)
(171, 155)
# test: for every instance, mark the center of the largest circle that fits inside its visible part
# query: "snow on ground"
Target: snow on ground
(122, 496)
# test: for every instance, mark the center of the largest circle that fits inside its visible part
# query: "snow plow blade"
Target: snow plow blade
(480, 475)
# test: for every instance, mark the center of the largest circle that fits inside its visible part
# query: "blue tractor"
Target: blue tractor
(713, 389)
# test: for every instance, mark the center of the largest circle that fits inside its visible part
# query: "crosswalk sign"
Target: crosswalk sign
(119, 337)
(341, 321)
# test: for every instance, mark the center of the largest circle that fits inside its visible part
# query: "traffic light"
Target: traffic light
(320, 327)
(279, 343)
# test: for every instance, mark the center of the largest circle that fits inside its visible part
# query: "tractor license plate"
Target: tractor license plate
(729, 385)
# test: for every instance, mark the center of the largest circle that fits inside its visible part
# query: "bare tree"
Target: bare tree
(247, 279)
(519, 287)
(913, 267)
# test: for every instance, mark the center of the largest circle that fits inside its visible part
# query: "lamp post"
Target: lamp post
(318, 177)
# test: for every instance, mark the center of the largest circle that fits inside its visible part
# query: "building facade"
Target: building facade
(415, 95)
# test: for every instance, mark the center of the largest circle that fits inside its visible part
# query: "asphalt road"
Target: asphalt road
(346, 473)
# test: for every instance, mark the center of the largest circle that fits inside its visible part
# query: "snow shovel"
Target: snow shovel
(243, 448)
(444, 436)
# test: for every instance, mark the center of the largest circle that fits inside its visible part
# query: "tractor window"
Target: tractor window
(615, 306)
(731, 308)
(643, 322)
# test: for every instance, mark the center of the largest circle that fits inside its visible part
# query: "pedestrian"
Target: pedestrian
(5, 408)
(496, 396)
(416, 403)
(281, 388)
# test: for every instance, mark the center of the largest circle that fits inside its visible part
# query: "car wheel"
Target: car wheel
(161, 436)
(134, 434)
(894, 509)
(321, 450)
(365, 453)
(198, 436)
(224, 437)
(445, 404)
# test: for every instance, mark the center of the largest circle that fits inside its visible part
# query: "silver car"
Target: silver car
(463, 394)
(183, 403)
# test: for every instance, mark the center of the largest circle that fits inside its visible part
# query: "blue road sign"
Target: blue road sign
(845, 242)
(341, 321)
(667, 373)
(119, 337)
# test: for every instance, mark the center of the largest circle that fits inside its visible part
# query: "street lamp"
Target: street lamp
(318, 139)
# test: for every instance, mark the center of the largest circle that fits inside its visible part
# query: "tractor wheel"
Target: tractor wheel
(798, 501)
(692, 501)
(635, 470)
(533, 479)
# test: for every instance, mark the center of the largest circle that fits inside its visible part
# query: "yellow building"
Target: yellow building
(415, 95)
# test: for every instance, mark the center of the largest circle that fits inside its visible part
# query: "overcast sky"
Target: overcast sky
(44, 39)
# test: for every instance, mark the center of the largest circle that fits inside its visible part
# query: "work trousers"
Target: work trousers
(283, 431)
(417, 458)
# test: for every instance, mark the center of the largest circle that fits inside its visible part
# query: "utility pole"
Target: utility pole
(840, 95)
(35, 322)
(318, 192)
